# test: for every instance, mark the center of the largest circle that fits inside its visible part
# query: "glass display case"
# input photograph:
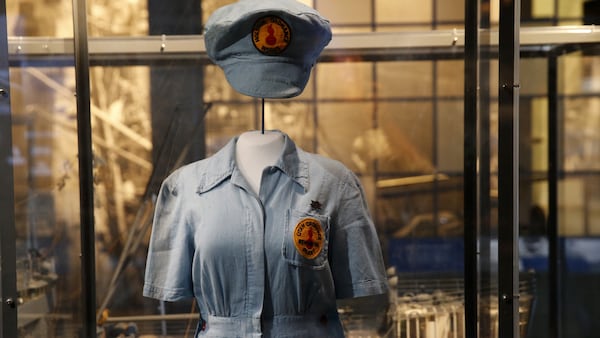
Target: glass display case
(389, 98)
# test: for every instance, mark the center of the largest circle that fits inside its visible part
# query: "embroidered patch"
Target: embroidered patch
(309, 238)
(271, 35)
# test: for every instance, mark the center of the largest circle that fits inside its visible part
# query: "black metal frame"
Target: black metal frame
(86, 179)
(508, 170)
(8, 259)
(476, 192)
(471, 273)
(555, 259)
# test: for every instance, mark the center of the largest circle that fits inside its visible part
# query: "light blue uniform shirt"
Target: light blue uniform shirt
(270, 265)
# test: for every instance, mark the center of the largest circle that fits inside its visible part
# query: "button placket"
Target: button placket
(255, 259)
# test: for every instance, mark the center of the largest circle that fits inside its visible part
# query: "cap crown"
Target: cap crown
(266, 48)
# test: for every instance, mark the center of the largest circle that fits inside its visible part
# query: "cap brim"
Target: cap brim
(267, 79)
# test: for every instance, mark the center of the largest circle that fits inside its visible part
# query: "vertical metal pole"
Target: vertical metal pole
(470, 166)
(487, 272)
(86, 187)
(508, 170)
(8, 259)
(555, 256)
(435, 115)
(315, 98)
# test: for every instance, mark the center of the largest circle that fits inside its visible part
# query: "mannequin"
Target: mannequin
(264, 267)
(255, 151)
(275, 265)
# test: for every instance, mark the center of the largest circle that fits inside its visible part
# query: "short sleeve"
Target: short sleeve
(168, 264)
(355, 252)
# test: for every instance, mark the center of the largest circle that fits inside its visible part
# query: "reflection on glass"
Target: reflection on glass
(46, 200)
(417, 79)
(353, 80)
(390, 11)
(340, 133)
(397, 124)
(346, 12)
(450, 78)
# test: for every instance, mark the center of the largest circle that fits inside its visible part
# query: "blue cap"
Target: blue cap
(266, 48)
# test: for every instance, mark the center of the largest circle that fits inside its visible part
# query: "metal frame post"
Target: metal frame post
(487, 272)
(470, 166)
(508, 169)
(555, 262)
(86, 181)
(8, 259)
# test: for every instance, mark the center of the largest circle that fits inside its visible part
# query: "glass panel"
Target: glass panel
(398, 124)
(409, 130)
(123, 151)
(109, 18)
(346, 12)
(542, 9)
(450, 78)
(46, 178)
(582, 140)
(577, 213)
(487, 128)
(342, 128)
(537, 82)
(450, 126)
(450, 12)
(570, 9)
(354, 80)
(26, 18)
(417, 79)
(397, 12)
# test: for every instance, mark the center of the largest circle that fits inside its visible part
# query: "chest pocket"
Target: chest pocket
(306, 239)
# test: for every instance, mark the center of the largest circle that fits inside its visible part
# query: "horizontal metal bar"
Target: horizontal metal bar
(397, 182)
(192, 46)
(180, 316)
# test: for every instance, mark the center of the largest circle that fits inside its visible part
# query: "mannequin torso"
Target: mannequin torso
(255, 151)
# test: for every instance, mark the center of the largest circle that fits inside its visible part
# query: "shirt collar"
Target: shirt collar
(222, 165)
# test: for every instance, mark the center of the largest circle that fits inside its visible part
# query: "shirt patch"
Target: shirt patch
(271, 35)
(309, 238)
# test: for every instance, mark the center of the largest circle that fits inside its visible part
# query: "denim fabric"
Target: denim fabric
(214, 239)
(253, 67)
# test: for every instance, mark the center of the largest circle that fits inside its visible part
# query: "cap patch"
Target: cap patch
(309, 238)
(271, 35)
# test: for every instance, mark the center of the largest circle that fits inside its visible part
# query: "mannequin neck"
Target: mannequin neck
(255, 151)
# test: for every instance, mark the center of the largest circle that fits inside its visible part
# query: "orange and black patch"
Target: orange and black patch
(271, 35)
(309, 238)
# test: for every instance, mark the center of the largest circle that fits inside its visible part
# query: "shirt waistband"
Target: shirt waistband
(280, 326)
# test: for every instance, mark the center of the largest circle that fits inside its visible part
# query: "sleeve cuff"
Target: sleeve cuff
(169, 295)
(362, 289)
